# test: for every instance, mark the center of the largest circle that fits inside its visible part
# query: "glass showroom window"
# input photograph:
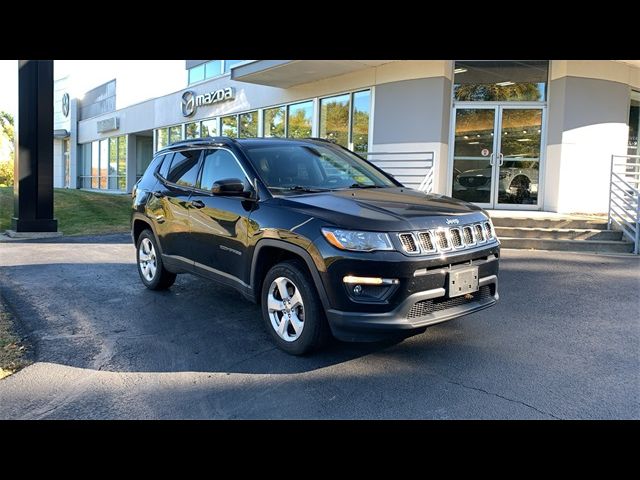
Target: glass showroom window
(634, 124)
(95, 164)
(360, 121)
(113, 163)
(85, 170)
(493, 81)
(230, 63)
(248, 125)
(299, 120)
(230, 126)
(274, 122)
(196, 74)
(162, 138)
(213, 68)
(104, 163)
(192, 130)
(175, 134)
(122, 163)
(209, 128)
(334, 119)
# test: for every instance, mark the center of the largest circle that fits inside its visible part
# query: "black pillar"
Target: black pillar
(33, 185)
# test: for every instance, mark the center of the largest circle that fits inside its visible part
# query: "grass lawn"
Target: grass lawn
(11, 351)
(78, 212)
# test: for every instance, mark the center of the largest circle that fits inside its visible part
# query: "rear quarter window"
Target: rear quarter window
(166, 163)
(148, 179)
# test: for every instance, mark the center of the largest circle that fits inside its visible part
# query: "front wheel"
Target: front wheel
(291, 309)
(150, 267)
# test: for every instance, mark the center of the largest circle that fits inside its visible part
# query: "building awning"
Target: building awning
(288, 73)
(60, 133)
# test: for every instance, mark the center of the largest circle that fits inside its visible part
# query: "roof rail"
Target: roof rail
(199, 141)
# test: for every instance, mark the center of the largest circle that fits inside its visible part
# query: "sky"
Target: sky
(138, 80)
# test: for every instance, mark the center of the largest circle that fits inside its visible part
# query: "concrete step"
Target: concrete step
(551, 223)
(559, 233)
(596, 246)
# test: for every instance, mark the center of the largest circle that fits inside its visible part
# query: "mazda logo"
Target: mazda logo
(188, 103)
(65, 104)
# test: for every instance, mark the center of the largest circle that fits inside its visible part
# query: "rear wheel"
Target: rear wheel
(291, 309)
(150, 267)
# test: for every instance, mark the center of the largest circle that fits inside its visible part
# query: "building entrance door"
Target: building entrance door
(496, 155)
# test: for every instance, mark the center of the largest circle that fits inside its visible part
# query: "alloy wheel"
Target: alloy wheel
(286, 309)
(147, 259)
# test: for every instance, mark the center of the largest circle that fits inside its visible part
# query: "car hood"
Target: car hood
(383, 209)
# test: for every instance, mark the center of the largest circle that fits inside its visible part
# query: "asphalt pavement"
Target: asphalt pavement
(563, 342)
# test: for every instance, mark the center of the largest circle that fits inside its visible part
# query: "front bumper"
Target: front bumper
(360, 326)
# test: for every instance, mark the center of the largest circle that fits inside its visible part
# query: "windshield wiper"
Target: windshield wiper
(357, 185)
(300, 188)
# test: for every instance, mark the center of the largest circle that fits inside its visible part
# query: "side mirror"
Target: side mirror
(230, 187)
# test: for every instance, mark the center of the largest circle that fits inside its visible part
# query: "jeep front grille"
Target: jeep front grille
(445, 239)
(468, 236)
(488, 230)
(408, 243)
(456, 238)
(426, 242)
(442, 240)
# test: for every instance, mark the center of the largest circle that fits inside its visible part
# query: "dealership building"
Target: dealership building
(517, 135)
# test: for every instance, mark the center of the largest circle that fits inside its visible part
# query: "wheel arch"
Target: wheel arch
(269, 252)
(140, 223)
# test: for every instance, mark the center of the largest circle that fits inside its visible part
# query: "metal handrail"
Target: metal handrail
(426, 185)
(625, 183)
(624, 198)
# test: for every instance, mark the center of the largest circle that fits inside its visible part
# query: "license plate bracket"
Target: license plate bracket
(462, 281)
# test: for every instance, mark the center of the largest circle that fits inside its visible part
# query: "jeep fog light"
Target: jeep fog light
(369, 280)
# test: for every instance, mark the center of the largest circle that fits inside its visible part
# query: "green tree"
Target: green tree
(491, 92)
(299, 124)
(7, 148)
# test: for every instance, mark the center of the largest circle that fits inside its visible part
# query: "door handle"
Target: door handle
(197, 203)
(158, 194)
(491, 162)
(501, 159)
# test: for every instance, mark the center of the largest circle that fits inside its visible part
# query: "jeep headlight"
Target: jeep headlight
(357, 241)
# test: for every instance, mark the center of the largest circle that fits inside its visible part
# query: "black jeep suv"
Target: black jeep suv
(325, 241)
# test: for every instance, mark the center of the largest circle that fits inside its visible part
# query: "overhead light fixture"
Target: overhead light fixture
(505, 84)
(460, 70)
(473, 143)
(524, 140)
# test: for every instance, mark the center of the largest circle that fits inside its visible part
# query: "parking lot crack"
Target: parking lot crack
(502, 397)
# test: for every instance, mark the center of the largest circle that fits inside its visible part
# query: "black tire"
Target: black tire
(162, 278)
(315, 331)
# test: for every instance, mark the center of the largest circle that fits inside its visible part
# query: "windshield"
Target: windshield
(313, 168)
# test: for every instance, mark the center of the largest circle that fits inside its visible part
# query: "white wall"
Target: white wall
(166, 110)
(587, 124)
(58, 164)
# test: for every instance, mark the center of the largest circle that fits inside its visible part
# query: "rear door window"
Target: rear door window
(184, 168)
